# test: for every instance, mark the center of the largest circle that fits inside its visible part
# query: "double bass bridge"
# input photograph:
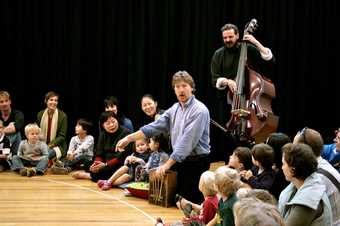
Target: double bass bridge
(240, 113)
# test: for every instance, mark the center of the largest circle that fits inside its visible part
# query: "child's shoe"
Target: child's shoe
(59, 163)
(127, 192)
(23, 172)
(59, 170)
(106, 185)
(100, 183)
(31, 172)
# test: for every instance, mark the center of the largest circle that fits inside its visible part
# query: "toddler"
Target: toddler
(31, 152)
(126, 173)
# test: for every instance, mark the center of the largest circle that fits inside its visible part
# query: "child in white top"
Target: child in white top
(80, 149)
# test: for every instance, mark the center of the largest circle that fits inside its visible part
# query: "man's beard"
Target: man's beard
(229, 44)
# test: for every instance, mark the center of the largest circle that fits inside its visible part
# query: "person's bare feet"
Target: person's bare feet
(81, 175)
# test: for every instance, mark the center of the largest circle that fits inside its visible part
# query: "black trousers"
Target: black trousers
(188, 174)
(104, 173)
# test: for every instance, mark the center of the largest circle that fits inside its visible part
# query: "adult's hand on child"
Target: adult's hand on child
(121, 144)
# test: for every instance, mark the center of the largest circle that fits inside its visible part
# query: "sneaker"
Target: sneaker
(23, 172)
(59, 163)
(106, 186)
(100, 183)
(59, 170)
(31, 172)
(2, 168)
(127, 192)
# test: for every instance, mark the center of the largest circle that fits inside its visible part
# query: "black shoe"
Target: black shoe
(178, 198)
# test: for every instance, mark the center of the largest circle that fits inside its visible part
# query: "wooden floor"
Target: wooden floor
(61, 200)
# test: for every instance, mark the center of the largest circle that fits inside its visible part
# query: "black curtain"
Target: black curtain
(86, 50)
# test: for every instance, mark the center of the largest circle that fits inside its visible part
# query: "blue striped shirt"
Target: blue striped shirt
(188, 126)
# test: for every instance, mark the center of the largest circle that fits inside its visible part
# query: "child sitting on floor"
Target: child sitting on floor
(227, 182)
(31, 152)
(80, 150)
(200, 214)
(158, 146)
(126, 173)
(262, 175)
(240, 159)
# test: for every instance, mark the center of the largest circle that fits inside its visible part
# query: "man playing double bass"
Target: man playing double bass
(224, 64)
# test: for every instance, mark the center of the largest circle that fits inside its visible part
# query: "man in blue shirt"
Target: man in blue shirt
(331, 152)
(187, 122)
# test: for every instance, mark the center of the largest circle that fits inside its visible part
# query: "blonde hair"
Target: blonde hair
(227, 180)
(32, 127)
(207, 183)
(5, 94)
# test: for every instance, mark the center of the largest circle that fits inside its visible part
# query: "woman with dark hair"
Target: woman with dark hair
(149, 106)
(304, 201)
(107, 160)
(53, 124)
(276, 141)
(111, 103)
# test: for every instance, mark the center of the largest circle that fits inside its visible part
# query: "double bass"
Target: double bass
(252, 118)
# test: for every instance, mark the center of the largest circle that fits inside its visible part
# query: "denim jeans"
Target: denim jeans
(19, 163)
(51, 153)
(15, 140)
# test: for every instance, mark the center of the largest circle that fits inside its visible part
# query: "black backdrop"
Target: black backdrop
(86, 50)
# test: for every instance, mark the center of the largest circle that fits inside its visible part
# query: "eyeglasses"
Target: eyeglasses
(303, 134)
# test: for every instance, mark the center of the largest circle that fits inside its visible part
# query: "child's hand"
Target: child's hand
(248, 174)
(70, 156)
(243, 173)
(133, 159)
(128, 159)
